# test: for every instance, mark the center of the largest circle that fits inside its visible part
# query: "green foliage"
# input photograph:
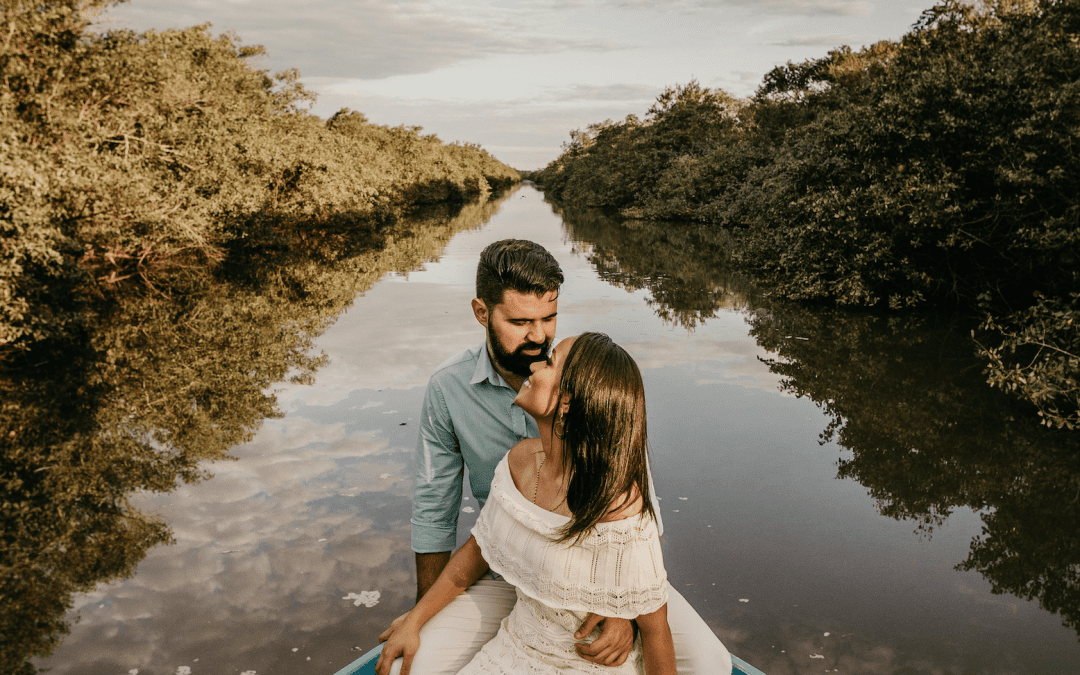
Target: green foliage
(940, 169)
(1038, 358)
(627, 164)
(132, 161)
(175, 230)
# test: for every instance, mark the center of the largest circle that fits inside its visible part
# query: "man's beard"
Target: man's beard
(516, 362)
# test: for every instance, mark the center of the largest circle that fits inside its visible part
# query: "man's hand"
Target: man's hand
(394, 625)
(614, 644)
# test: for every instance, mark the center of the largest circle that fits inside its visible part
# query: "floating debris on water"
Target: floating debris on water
(324, 539)
(826, 634)
(366, 598)
(683, 498)
(183, 670)
(744, 599)
(384, 476)
(817, 656)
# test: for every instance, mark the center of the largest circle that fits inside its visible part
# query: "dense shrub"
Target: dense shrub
(130, 162)
(940, 169)
(175, 230)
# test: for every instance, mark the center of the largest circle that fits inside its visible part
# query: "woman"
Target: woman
(568, 522)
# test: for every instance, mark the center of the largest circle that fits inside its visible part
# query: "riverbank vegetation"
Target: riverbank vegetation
(132, 163)
(175, 230)
(937, 170)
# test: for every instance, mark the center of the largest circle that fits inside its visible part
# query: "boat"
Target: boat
(365, 665)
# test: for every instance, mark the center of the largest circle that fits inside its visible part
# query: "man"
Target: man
(468, 419)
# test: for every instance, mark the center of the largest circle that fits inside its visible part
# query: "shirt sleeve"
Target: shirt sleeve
(439, 473)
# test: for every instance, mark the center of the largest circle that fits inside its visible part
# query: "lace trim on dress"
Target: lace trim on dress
(617, 570)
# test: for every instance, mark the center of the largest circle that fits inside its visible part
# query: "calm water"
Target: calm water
(825, 479)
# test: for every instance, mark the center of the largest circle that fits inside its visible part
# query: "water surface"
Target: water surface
(826, 478)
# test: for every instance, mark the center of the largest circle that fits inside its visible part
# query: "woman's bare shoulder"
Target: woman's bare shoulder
(520, 458)
(624, 508)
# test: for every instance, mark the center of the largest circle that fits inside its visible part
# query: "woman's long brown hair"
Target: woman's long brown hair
(605, 446)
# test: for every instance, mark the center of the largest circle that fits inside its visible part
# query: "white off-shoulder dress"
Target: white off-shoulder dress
(617, 570)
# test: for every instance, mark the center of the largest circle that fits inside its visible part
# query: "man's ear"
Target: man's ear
(480, 311)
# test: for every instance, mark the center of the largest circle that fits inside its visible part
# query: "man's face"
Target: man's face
(520, 330)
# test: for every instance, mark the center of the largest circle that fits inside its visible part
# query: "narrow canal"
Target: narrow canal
(840, 494)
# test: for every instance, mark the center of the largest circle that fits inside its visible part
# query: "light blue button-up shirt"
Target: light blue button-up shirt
(468, 419)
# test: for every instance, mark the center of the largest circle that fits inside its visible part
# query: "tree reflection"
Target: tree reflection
(906, 395)
(154, 388)
(686, 277)
(908, 398)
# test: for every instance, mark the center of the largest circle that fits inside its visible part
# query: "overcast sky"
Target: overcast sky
(514, 75)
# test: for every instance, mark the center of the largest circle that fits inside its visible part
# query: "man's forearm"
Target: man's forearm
(428, 568)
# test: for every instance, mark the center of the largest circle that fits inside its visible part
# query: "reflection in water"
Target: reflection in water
(643, 254)
(906, 396)
(157, 386)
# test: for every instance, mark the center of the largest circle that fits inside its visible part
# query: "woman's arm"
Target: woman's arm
(656, 643)
(464, 568)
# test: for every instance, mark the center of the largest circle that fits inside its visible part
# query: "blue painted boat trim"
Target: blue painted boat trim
(365, 665)
(740, 667)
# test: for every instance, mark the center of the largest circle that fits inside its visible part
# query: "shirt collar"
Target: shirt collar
(486, 371)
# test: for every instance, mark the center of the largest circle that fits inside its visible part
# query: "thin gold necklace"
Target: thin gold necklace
(536, 485)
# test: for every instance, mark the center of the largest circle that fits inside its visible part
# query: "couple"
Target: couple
(564, 569)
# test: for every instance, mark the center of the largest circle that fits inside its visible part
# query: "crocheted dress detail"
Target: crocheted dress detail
(617, 570)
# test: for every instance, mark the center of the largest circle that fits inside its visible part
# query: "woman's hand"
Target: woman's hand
(614, 644)
(464, 568)
(394, 625)
(656, 642)
(404, 642)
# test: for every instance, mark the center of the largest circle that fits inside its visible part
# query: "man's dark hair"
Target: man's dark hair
(516, 264)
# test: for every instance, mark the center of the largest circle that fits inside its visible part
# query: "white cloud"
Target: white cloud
(816, 41)
(517, 77)
(526, 133)
(798, 7)
(364, 40)
(603, 92)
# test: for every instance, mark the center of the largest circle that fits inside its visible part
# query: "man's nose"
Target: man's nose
(536, 333)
